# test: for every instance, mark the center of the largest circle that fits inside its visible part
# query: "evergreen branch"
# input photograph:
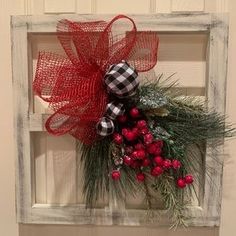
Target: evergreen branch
(127, 182)
(96, 162)
(173, 201)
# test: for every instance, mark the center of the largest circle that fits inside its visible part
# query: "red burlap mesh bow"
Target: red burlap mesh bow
(73, 84)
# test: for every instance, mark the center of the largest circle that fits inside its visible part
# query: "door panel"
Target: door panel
(68, 191)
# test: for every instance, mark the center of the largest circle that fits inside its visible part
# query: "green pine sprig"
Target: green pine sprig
(186, 126)
(173, 200)
(96, 166)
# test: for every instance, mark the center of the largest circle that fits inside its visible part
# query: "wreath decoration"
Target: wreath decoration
(133, 137)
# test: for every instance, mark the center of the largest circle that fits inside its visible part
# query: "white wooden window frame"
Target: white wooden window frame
(208, 211)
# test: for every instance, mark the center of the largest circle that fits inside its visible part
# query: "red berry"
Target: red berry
(158, 160)
(124, 131)
(140, 177)
(159, 143)
(167, 163)
(122, 118)
(156, 171)
(139, 146)
(146, 162)
(134, 112)
(135, 131)
(181, 183)
(148, 138)
(135, 164)
(118, 139)
(127, 160)
(115, 174)
(158, 151)
(176, 164)
(144, 131)
(141, 154)
(129, 149)
(135, 154)
(151, 148)
(130, 136)
(141, 124)
(188, 179)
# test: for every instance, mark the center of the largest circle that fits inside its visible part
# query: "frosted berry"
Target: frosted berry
(136, 132)
(188, 179)
(181, 183)
(130, 136)
(134, 112)
(148, 138)
(135, 154)
(151, 148)
(167, 164)
(146, 162)
(141, 154)
(176, 164)
(140, 177)
(156, 171)
(127, 160)
(144, 131)
(124, 131)
(141, 124)
(139, 146)
(158, 151)
(158, 160)
(159, 143)
(117, 138)
(135, 164)
(115, 174)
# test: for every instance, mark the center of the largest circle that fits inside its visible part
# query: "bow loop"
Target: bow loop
(74, 84)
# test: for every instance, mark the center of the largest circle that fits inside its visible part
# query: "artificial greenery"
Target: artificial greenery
(95, 161)
(184, 123)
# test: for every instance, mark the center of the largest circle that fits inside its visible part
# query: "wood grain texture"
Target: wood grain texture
(216, 91)
(21, 123)
(206, 214)
(60, 230)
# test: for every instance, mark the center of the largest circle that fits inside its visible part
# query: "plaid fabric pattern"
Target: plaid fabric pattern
(121, 79)
(114, 109)
(105, 126)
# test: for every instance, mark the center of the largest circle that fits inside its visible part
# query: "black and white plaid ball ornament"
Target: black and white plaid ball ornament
(114, 109)
(121, 80)
(105, 126)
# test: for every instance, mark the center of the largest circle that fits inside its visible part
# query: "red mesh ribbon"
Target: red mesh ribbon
(73, 84)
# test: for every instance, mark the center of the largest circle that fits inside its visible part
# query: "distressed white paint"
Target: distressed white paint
(205, 214)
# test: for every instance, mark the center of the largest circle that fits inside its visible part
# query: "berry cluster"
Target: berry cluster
(141, 151)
